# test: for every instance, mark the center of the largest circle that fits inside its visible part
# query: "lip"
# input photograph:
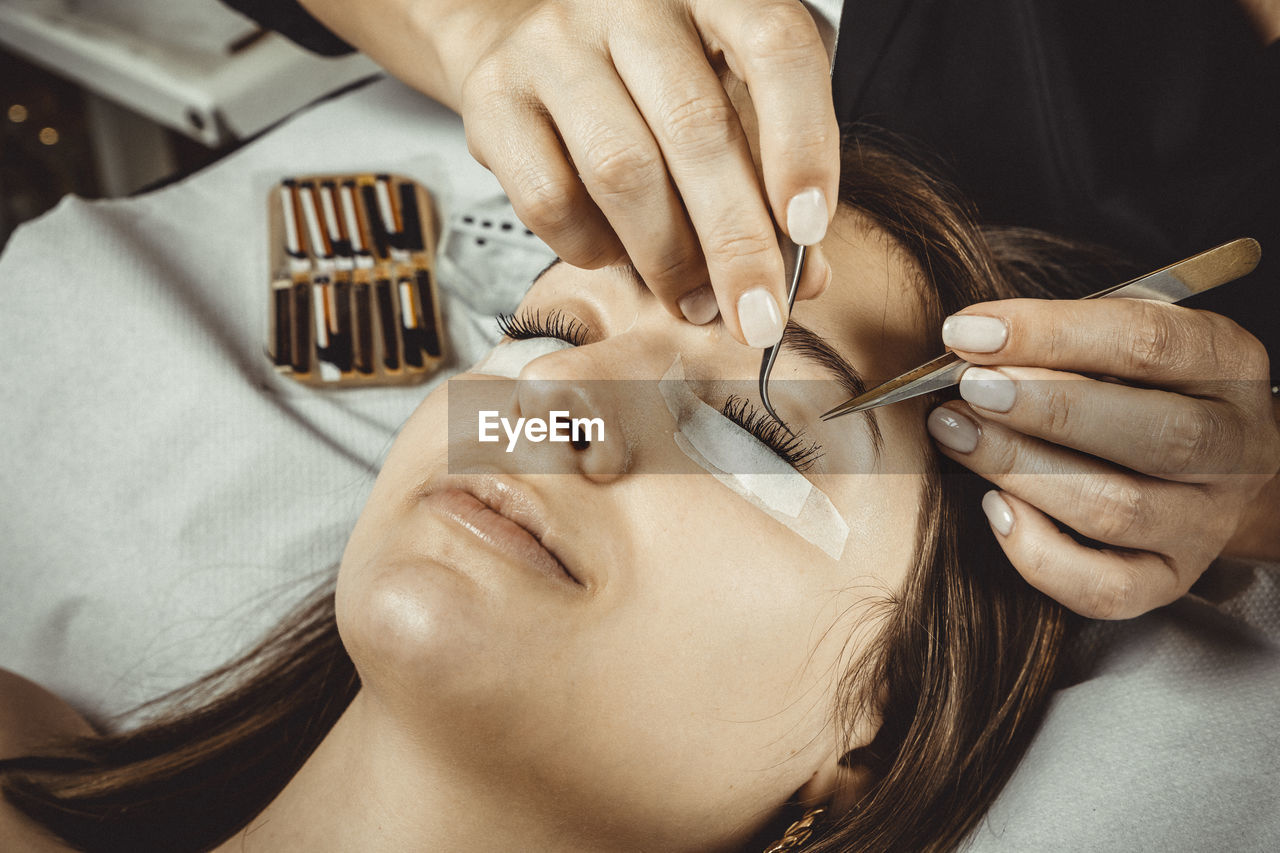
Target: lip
(504, 517)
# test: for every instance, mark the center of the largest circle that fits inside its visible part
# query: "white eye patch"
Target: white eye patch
(507, 360)
(721, 447)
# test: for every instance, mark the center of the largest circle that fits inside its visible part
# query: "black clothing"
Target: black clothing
(294, 23)
(1150, 126)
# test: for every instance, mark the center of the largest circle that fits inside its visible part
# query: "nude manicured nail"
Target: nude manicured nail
(998, 512)
(699, 306)
(974, 333)
(953, 430)
(760, 318)
(988, 389)
(807, 216)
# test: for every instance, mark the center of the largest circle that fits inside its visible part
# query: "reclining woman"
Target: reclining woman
(606, 659)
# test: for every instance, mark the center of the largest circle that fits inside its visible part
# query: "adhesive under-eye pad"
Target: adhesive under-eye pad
(740, 461)
(508, 360)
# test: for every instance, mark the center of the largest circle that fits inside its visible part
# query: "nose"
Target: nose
(576, 400)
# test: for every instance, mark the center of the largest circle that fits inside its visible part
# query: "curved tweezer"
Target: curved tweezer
(826, 16)
(1173, 283)
(793, 261)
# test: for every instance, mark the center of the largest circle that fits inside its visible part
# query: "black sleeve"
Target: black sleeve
(289, 19)
(1152, 126)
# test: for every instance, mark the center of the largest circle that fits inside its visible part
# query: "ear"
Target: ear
(845, 774)
(838, 784)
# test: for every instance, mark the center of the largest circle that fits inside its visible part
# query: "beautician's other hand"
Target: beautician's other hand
(608, 127)
(1160, 466)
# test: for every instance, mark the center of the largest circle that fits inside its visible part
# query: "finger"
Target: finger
(699, 306)
(1166, 435)
(816, 276)
(706, 151)
(774, 46)
(1098, 583)
(1154, 343)
(513, 138)
(1090, 496)
(620, 164)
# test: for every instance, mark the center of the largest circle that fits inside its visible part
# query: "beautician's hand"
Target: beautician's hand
(1160, 466)
(609, 129)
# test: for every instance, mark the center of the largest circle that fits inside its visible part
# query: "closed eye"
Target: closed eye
(531, 323)
(792, 447)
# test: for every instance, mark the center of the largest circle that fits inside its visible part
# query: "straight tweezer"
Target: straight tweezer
(1173, 283)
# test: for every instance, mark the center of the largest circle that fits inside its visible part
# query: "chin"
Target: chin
(418, 627)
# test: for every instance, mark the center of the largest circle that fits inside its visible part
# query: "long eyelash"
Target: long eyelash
(531, 324)
(796, 450)
(793, 448)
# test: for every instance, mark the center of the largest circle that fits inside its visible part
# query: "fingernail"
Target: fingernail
(988, 389)
(807, 216)
(760, 318)
(972, 333)
(953, 430)
(699, 306)
(998, 512)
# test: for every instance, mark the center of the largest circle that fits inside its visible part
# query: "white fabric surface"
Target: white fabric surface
(165, 496)
(1170, 740)
(162, 489)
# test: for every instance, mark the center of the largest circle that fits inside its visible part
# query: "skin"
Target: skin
(30, 715)
(1264, 16)
(1164, 508)
(609, 129)
(680, 695)
(656, 164)
(375, 780)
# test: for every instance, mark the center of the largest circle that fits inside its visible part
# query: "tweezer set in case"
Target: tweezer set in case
(353, 291)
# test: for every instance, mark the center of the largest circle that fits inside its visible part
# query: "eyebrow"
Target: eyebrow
(811, 346)
(796, 338)
(554, 263)
(627, 271)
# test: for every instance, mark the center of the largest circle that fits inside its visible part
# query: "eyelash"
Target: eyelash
(531, 324)
(793, 449)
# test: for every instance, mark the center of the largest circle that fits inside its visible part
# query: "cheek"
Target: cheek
(882, 525)
(698, 685)
(883, 508)
(715, 623)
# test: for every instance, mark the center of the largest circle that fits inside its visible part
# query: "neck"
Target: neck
(371, 786)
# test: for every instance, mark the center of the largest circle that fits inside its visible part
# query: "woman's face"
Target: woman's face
(679, 686)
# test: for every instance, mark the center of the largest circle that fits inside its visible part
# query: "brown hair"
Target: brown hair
(222, 750)
(959, 674)
(962, 668)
